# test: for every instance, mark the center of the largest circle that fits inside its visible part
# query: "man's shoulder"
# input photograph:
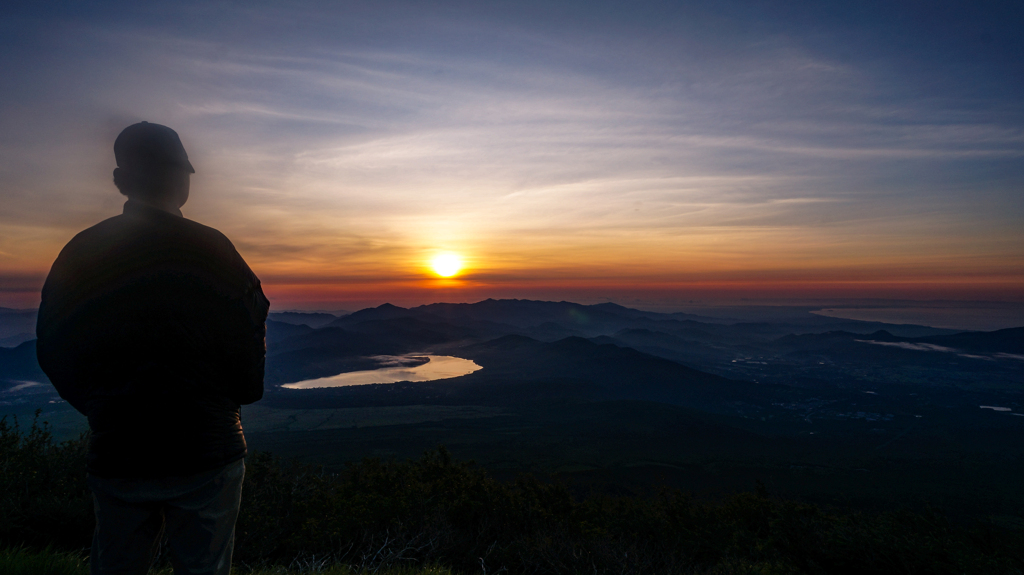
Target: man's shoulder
(102, 228)
(170, 234)
(105, 231)
(203, 232)
(216, 248)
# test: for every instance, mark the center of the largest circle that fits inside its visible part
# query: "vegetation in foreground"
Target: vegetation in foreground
(412, 517)
(23, 561)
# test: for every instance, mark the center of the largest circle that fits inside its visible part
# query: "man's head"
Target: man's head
(152, 165)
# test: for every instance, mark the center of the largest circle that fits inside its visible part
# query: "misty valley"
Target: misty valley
(616, 400)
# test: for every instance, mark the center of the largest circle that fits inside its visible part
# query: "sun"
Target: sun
(446, 265)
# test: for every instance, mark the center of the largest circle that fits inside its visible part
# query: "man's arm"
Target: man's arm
(247, 341)
(250, 385)
(57, 346)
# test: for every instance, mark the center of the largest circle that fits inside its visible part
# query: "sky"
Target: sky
(637, 152)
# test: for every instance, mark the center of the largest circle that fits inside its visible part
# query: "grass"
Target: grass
(22, 561)
(48, 561)
(439, 516)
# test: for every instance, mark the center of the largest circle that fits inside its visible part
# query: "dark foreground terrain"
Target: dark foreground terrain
(373, 517)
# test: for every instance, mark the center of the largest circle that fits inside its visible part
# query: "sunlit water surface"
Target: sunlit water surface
(439, 367)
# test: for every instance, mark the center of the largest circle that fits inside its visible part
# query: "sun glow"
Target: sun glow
(446, 265)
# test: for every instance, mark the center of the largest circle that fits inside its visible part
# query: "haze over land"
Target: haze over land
(647, 153)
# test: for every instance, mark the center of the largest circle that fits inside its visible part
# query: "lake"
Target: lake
(436, 367)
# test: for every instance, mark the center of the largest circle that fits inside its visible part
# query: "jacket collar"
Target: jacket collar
(137, 208)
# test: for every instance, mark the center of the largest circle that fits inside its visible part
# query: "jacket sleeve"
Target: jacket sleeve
(248, 345)
(58, 332)
(250, 388)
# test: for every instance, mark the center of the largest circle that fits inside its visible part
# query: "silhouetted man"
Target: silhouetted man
(153, 326)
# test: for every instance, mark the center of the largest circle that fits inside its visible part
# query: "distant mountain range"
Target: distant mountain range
(610, 351)
(16, 326)
(621, 351)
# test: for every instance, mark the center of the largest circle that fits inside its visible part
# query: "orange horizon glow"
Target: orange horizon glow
(525, 271)
(314, 293)
(418, 292)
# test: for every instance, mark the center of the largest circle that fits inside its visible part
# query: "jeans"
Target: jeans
(197, 513)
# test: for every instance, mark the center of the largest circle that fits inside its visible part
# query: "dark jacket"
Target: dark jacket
(153, 326)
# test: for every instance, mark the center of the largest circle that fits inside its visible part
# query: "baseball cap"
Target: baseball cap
(146, 146)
